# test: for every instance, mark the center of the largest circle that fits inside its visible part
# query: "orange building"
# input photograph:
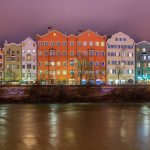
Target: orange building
(71, 59)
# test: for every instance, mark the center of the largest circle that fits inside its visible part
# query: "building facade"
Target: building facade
(142, 60)
(73, 59)
(120, 59)
(1, 66)
(12, 62)
(29, 61)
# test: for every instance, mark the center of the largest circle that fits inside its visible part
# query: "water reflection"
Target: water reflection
(74, 127)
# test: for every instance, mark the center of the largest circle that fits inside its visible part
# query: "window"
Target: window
(40, 72)
(116, 39)
(29, 50)
(46, 72)
(58, 63)
(148, 64)
(28, 57)
(23, 66)
(138, 64)
(52, 53)
(17, 52)
(120, 39)
(34, 44)
(71, 63)
(96, 63)
(64, 53)
(34, 67)
(46, 63)
(79, 53)
(46, 53)
(84, 43)
(102, 53)
(12, 58)
(72, 72)
(64, 63)
(58, 72)
(40, 63)
(28, 66)
(64, 72)
(148, 57)
(1, 65)
(1, 56)
(71, 53)
(33, 51)
(96, 53)
(58, 53)
(85, 53)
(71, 43)
(90, 43)
(64, 43)
(23, 44)
(57, 43)
(102, 64)
(91, 52)
(52, 63)
(130, 54)
(46, 43)
(39, 53)
(79, 43)
(102, 43)
(52, 44)
(96, 43)
(143, 50)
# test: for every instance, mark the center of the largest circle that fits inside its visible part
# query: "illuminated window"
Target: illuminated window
(46, 63)
(52, 53)
(96, 43)
(64, 63)
(138, 64)
(102, 43)
(58, 72)
(28, 57)
(58, 63)
(52, 63)
(64, 72)
(33, 50)
(143, 49)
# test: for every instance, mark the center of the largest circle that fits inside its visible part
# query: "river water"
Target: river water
(75, 127)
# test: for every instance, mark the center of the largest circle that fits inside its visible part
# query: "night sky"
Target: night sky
(22, 18)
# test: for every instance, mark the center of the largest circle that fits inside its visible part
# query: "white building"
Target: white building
(29, 61)
(120, 59)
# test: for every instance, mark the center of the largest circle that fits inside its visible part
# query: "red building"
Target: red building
(71, 59)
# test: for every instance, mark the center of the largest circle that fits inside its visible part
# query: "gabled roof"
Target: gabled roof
(27, 39)
(51, 32)
(142, 42)
(90, 31)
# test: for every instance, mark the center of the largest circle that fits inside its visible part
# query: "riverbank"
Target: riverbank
(74, 94)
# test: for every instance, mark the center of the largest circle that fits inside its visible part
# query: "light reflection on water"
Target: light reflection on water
(75, 127)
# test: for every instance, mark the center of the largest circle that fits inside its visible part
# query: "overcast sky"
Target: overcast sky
(21, 18)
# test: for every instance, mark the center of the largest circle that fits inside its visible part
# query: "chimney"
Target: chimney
(50, 29)
(80, 31)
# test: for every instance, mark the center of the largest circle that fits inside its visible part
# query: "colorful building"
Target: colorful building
(61, 58)
(1, 66)
(12, 62)
(120, 59)
(29, 61)
(142, 62)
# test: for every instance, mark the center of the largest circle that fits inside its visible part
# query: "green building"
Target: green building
(12, 63)
(142, 63)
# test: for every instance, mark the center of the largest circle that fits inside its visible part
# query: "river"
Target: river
(75, 127)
